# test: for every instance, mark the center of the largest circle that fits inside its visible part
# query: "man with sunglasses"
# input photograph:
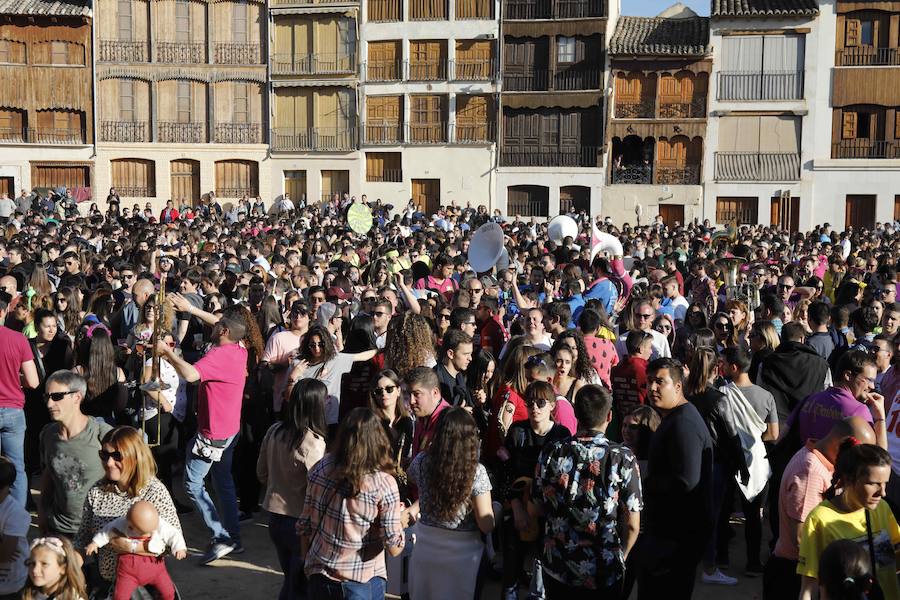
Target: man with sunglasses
(69, 455)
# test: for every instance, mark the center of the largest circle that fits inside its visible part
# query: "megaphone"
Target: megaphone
(562, 227)
(604, 242)
(486, 247)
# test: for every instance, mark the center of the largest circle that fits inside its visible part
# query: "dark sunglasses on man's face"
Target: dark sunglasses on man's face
(57, 396)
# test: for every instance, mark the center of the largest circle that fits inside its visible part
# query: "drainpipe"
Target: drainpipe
(94, 47)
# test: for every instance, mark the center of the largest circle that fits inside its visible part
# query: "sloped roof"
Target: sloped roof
(764, 8)
(656, 36)
(69, 8)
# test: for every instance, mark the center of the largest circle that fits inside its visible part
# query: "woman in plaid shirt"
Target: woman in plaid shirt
(351, 513)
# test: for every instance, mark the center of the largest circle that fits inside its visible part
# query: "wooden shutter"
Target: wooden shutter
(239, 21)
(383, 166)
(473, 59)
(897, 124)
(853, 32)
(134, 177)
(182, 21)
(183, 102)
(472, 118)
(75, 54)
(240, 103)
(126, 100)
(124, 28)
(685, 83)
(848, 129)
(234, 178)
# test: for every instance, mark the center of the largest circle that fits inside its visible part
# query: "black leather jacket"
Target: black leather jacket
(713, 406)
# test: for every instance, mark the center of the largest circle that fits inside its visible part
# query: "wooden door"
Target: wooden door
(474, 59)
(50, 176)
(860, 212)
(785, 213)
(742, 209)
(8, 185)
(335, 182)
(574, 199)
(384, 61)
(672, 214)
(383, 120)
(528, 200)
(426, 116)
(472, 118)
(185, 184)
(896, 207)
(295, 184)
(426, 194)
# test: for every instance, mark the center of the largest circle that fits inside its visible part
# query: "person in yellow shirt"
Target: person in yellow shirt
(859, 513)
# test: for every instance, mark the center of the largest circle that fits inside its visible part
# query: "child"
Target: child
(845, 571)
(54, 571)
(14, 521)
(142, 524)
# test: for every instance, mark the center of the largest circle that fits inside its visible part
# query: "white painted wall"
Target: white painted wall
(313, 164)
(16, 159)
(552, 178)
(619, 201)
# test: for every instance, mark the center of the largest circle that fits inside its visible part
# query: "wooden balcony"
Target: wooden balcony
(695, 109)
(585, 156)
(332, 63)
(864, 148)
(384, 71)
(773, 85)
(757, 166)
(427, 133)
(123, 52)
(576, 79)
(531, 80)
(238, 133)
(527, 10)
(180, 133)
(12, 135)
(382, 134)
(475, 133)
(544, 80)
(867, 56)
(635, 110)
(473, 70)
(180, 52)
(287, 3)
(428, 71)
(326, 139)
(237, 54)
(41, 135)
(125, 131)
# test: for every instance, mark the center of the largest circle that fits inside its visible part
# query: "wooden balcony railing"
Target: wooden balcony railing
(322, 63)
(125, 131)
(473, 70)
(686, 175)
(634, 110)
(375, 134)
(428, 71)
(12, 135)
(516, 10)
(135, 192)
(475, 133)
(695, 109)
(863, 148)
(238, 133)
(579, 9)
(237, 54)
(586, 156)
(180, 133)
(180, 52)
(383, 11)
(576, 79)
(867, 56)
(775, 85)
(240, 192)
(757, 166)
(333, 139)
(284, 3)
(384, 71)
(386, 175)
(428, 10)
(532, 80)
(40, 135)
(122, 52)
(427, 133)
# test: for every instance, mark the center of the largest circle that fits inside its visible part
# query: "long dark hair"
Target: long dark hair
(362, 447)
(328, 351)
(845, 570)
(853, 461)
(477, 368)
(97, 357)
(582, 367)
(305, 410)
(452, 459)
(361, 336)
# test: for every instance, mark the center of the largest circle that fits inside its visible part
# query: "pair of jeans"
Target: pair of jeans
(323, 588)
(12, 446)
(283, 533)
(226, 530)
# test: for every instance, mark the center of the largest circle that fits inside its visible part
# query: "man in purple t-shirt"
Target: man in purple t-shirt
(221, 373)
(16, 369)
(853, 395)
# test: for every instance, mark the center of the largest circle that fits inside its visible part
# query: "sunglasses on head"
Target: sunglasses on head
(115, 455)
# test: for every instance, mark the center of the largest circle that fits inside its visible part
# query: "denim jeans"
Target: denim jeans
(12, 446)
(322, 588)
(195, 470)
(283, 532)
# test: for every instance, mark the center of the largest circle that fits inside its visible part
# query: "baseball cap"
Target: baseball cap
(337, 292)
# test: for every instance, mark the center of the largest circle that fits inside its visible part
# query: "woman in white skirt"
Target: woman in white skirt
(452, 513)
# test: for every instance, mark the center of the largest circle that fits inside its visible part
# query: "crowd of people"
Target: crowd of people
(586, 421)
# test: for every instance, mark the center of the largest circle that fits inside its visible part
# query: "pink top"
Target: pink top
(806, 478)
(280, 349)
(564, 414)
(16, 351)
(603, 355)
(445, 288)
(223, 371)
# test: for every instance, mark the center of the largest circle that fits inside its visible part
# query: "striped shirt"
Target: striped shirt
(348, 535)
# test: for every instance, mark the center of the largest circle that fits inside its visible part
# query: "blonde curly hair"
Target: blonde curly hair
(409, 343)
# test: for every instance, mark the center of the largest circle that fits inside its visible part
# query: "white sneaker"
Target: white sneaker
(718, 578)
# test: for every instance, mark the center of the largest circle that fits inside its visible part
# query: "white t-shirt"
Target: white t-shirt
(660, 346)
(14, 521)
(330, 374)
(176, 395)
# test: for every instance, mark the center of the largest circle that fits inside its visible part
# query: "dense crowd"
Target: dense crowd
(583, 420)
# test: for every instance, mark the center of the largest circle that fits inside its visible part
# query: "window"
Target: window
(241, 104)
(239, 22)
(863, 125)
(565, 50)
(134, 177)
(183, 102)
(12, 52)
(742, 209)
(58, 53)
(11, 122)
(124, 20)
(867, 33)
(383, 166)
(182, 21)
(237, 178)
(126, 100)
(756, 67)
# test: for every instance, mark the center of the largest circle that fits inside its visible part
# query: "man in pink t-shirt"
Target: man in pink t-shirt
(221, 373)
(16, 369)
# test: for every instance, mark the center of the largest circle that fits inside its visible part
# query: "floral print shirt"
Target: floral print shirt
(584, 485)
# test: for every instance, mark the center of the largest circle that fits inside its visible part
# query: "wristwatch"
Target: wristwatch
(134, 545)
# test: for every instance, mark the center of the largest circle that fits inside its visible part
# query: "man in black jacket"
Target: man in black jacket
(451, 371)
(793, 371)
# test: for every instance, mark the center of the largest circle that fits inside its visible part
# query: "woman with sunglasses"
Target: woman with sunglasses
(763, 339)
(663, 324)
(523, 445)
(695, 318)
(724, 330)
(68, 311)
(129, 475)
